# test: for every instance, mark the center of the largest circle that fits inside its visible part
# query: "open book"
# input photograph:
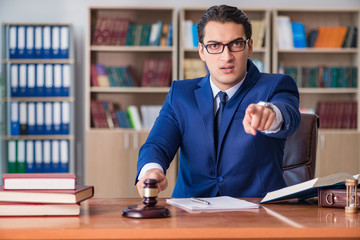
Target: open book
(223, 203)
(309, 188)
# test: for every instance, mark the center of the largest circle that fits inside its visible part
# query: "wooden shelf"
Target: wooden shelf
(131, 48)
(24, 102)
(118, 148)
(320, 50)
(39, 137)
(337, 148)
(129, 89)
(39, 99)
(40, 61)
(328, 90)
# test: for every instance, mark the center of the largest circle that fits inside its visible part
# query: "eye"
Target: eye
(214, 46)
(237, 43)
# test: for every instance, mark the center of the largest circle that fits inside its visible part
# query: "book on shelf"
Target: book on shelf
(258, 30)
(156, 73)
(98, 115)
(330, 37)
(149, 113)
(40, 118)
(284, 33)
(38, 41)
(190, 34)
(101, 77)
(112, 76)
(39, 181)
(323, 76)
(112, 31)
(77, 195)
(308, 188)
(36, 156)
(134, 116)
(299, 35)
(38, 209)
(194, 68)
(337, 114)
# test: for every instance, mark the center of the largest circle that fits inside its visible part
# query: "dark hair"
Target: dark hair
(224, 13)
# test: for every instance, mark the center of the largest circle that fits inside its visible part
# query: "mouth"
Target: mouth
(227, 69)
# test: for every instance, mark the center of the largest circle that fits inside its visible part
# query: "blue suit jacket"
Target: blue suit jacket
(245, 165)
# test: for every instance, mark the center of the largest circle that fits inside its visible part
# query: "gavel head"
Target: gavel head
(150, 192)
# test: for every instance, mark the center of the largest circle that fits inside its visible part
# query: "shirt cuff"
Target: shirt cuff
(276, 125)
(147, 167)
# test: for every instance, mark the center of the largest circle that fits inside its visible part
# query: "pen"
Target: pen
(198, 200)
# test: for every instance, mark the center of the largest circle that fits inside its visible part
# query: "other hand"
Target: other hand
(154, 173)
(258, 117)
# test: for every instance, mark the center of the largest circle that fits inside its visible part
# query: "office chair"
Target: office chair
(300, 151)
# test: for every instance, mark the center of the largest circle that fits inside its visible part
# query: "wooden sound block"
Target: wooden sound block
(143, 211)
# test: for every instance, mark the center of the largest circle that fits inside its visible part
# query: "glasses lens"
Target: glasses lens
(237, 46)
(214, 48)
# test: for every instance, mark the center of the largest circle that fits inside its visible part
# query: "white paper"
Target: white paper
(223, 203)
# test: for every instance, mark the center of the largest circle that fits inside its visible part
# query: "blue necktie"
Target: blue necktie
(218, 116)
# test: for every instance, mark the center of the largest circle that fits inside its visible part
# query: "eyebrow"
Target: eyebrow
(236, 39)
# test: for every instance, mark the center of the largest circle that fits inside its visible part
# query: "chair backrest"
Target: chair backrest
(300, 151)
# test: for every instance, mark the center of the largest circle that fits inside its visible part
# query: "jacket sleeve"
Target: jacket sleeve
(285, 96)
(164, 138)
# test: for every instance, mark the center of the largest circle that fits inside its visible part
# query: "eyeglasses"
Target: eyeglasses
(236, 45)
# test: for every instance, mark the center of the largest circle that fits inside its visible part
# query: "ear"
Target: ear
(250, 46)
(201, 51)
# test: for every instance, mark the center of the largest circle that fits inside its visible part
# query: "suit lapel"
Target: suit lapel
(231, 106)
(204, 98)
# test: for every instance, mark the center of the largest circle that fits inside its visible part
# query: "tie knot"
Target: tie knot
(222, 97)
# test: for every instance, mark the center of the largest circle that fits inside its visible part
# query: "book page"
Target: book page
(289, 191)
(332, 179)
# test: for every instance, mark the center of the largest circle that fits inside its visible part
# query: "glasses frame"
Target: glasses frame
(226, 44)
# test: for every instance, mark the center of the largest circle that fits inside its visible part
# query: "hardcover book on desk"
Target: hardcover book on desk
(81, 193)
(309, 188)
(39, 181)
(38, 209)
(41, 198)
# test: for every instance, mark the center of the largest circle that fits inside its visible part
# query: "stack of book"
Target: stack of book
(42, 194)
(109, 31)
(107, 114)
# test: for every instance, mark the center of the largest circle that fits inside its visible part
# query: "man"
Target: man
(243, 156)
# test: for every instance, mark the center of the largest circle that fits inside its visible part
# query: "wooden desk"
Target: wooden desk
(101, 219)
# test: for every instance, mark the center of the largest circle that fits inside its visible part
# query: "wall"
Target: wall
(75, 11)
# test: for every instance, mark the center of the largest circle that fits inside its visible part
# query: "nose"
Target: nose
(227, 54)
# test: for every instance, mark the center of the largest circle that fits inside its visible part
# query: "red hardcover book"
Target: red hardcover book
(98, 115)
(98, 38)
(149, 72)
(103, 31)
(166, 73)
(94, 76)
(39, 181)
(81, 193)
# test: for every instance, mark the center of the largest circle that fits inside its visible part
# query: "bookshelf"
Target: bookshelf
(337, 145)
(38, 98)
(111, 153)
(259, 17)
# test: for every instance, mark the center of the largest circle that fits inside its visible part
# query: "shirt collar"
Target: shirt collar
(230, 92)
